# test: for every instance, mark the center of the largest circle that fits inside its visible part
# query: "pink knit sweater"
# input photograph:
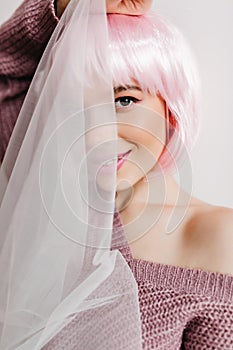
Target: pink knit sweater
(180, 308)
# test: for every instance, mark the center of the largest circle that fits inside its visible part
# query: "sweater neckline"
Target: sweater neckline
(163, 276)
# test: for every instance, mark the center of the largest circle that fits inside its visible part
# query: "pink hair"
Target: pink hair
(153, 52)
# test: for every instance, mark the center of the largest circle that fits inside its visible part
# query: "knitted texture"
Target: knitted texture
(181, 308)
(23, 39)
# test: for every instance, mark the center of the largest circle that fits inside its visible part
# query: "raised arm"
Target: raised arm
(23, 39)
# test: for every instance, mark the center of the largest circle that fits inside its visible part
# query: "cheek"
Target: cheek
(153, 131)
(149, 131)
(151, 147)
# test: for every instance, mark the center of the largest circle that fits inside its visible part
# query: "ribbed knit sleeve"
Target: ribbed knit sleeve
(23, 39)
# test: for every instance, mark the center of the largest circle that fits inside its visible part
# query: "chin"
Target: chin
(124, 184)
(105, 182)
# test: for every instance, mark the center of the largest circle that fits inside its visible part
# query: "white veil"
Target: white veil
(61, 285)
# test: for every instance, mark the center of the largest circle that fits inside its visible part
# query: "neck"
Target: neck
(162, 191)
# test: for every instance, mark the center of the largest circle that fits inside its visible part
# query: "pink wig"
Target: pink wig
(153, 52)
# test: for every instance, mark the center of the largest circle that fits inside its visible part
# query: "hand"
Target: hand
(128, 7)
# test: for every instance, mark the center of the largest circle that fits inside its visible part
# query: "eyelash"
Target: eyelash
(131, 98)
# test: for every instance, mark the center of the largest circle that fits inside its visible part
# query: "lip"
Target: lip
(109, 168)
(123, 157)
(123, 154)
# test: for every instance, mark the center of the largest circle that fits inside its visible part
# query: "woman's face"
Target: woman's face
(141, 124)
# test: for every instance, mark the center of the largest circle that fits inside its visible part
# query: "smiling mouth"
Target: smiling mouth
(120, 159)
(122, 155)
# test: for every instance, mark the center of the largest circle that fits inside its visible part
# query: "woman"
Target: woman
(185, 298)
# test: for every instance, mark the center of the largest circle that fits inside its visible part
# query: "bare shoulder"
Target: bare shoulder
(209, 236)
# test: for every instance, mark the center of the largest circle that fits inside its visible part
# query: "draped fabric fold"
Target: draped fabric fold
(61, 285)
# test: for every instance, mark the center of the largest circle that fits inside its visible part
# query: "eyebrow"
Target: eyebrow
(126, 87)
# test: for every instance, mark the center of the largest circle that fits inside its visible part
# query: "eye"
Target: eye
(125, 101)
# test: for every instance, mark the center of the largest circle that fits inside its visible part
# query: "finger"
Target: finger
(130, 7)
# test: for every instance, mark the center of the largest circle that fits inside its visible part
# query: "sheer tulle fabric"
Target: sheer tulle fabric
(61, 285)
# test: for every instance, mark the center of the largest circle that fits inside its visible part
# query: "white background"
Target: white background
(208, 26)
